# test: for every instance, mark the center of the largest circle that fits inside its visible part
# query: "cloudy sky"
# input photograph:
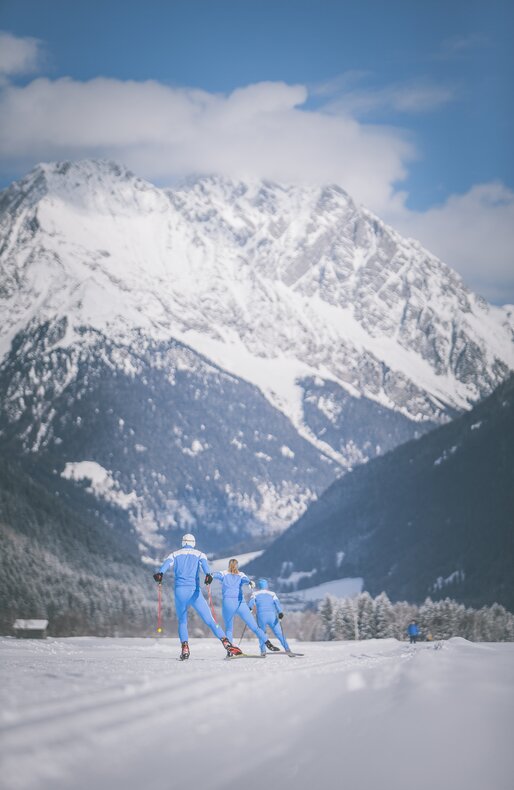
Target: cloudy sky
(407, 105)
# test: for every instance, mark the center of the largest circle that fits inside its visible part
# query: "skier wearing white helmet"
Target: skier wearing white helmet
(186, 564)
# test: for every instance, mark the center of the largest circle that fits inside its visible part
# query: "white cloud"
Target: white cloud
(18, 55)
(460, 45)
(263, 130)
(408, 98)
(342, 82)
(348, 93)
(161, 131)
(473, 233)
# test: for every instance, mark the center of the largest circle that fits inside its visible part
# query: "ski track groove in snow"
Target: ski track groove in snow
(116, 713)
(130, 696)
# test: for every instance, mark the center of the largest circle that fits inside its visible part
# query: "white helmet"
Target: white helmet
(189, 541)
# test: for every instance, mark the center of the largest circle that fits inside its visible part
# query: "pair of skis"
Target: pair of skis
(250, 655)
(289, 653)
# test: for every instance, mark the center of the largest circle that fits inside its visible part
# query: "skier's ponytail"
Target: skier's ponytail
(233, 566)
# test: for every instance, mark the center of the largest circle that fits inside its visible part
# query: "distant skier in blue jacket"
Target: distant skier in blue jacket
(233, 603)
(186, 564)
(269, 611)
(413, 632)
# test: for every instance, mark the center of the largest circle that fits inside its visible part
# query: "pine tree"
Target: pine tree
(404, 613)
(445, 625)
(384, 617)
(344, 620)
(497, 623)
(366, 616)
(427, 618)
(326, 611)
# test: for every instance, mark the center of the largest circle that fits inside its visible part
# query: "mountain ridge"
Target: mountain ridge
(431, 517)
(296, 225)
(345, 337)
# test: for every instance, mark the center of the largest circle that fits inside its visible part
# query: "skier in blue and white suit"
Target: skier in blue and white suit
(186, 564)
(413, 632)
(233, 603)
(269, 611)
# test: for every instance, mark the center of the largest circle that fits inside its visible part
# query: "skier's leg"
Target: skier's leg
(245, 614)
(201, 606)
(262, 624)
(182, 599)
(229, 609)
(277, 630)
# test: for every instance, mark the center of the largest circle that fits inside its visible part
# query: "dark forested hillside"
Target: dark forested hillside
(433, 517)
(73, 569)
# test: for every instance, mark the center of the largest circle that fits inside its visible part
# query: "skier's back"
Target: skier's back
(269, 610)
(233, 603)
(187, 563)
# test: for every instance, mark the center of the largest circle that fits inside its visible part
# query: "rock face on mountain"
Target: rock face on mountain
(211, 357)
(432, 517)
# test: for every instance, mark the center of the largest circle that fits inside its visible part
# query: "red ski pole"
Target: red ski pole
(211, 604)
(159, 608)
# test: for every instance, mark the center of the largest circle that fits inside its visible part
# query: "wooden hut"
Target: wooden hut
(30, 629)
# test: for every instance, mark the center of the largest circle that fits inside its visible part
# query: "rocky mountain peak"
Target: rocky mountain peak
(354, 336)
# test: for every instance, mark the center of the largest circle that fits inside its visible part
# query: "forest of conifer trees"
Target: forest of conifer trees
(365, 617)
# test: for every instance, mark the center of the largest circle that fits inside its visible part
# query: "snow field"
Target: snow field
(124, 713)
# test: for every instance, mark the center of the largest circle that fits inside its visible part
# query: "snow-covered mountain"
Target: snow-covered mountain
(221, 351)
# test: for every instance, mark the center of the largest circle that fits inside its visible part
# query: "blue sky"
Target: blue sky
(407, 104)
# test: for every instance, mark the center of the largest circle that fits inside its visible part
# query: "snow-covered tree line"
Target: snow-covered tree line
(365, 617)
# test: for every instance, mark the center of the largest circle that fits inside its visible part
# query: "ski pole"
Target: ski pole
(211, 604)
(244, 631)
(282, 629)
(159, 608)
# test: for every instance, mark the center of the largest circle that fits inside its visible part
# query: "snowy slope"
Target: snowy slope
(338, 588)
(432, 517)
(123, 713)
(292, 305)
(221, 564)
(275, 284)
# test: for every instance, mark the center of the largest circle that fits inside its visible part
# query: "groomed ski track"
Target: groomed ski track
(97, 713)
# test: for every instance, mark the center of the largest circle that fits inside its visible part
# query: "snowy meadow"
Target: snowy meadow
(123, 713)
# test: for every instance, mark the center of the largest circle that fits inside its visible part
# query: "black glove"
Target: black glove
(208, 578)
(280, 615)
(158, 577)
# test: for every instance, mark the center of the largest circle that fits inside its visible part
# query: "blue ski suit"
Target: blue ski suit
(186, 564)
(233, 603)
(268, 607)
(413, 632)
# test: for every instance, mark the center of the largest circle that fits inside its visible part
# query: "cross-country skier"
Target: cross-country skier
(186, 564)
(233, 603)
(269, 611)
(413, 632)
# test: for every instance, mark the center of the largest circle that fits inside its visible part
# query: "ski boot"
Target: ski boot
(272, 647)
(231, 649)
(185, 651)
